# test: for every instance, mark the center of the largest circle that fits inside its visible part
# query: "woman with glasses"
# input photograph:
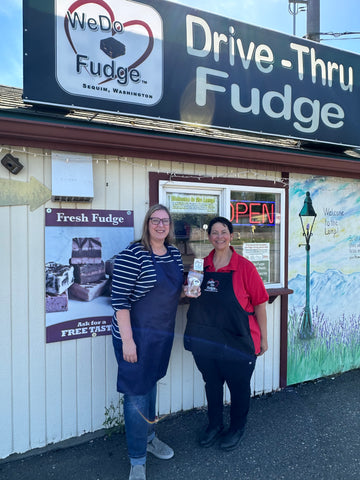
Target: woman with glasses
(226, 330)
(146, 287)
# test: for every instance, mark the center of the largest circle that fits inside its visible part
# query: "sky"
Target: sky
(336, 17)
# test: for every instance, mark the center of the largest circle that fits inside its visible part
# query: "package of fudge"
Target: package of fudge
(88, 291)
(89, 272)
(195, 278)
(57, 303)
(86, 248)
(58, 278)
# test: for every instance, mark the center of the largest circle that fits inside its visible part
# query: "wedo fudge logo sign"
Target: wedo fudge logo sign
(110, 50)
(188, 66)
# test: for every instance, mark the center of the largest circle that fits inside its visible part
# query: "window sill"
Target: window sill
(275, 292)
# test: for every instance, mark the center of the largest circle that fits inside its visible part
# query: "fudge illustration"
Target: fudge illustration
(86, 250)
(83, 279)
(112, 47)
(88, 291)
(57, 303)
(109, 268)
(89, 269)
(89, 272)
(109, 265)
(58, 279)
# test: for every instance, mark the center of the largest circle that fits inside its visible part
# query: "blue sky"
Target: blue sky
(335, 16)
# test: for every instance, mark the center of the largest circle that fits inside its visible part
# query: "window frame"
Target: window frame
(224, 189)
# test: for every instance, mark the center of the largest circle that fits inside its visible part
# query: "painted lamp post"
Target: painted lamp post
(307, 217)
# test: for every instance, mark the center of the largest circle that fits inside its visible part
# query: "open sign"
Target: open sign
(252, 212)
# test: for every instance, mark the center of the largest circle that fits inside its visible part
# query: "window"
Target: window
(256, 218)
(255, 212)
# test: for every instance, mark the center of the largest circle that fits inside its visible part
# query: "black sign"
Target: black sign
(157, 59)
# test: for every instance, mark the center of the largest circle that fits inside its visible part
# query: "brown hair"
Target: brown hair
(145, 236)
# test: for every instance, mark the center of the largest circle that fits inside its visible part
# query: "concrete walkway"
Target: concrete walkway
(306, 432)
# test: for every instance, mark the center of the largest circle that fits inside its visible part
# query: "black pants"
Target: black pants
(237, 375)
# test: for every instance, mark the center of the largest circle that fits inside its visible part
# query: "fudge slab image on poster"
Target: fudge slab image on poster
(57, 303)
(89, 291)
(109, 265)
(86, 250)
(58, 277)
(89, 272)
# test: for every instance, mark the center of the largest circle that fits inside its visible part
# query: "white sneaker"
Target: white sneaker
(159, 449)
(137, 472)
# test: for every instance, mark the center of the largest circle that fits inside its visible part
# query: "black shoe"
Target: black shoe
(210, 436)
(231, 439)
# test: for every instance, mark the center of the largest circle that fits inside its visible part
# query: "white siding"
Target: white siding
(51, 392)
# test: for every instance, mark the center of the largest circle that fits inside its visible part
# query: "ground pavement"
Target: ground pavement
(308, 431)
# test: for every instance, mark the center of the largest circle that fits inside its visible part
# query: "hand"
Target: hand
(195, 291)
(263, 346)
(129, 351)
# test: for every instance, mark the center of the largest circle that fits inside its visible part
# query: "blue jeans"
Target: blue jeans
(139, 415)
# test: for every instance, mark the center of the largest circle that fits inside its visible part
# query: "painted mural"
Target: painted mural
(334, 279)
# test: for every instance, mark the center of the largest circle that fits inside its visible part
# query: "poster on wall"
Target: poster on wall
(333, 322)
(259, 255)
(193, 204)
(80, 249)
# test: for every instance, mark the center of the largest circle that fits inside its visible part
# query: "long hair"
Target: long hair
(145, 236)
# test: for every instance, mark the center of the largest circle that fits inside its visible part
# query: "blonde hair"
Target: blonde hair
(145, 236)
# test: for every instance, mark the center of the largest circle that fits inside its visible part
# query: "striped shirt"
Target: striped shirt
(134, 275)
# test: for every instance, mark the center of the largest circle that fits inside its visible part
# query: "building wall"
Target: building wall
(51, 392)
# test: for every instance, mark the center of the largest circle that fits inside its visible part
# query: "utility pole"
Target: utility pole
(313, 17)
(313, 20)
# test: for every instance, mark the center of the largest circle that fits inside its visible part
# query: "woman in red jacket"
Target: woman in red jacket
(226, 331)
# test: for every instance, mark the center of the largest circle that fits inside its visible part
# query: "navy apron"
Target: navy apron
(218, 326)
(152, 322)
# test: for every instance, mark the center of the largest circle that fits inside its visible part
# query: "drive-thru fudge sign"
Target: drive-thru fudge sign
(161, 60)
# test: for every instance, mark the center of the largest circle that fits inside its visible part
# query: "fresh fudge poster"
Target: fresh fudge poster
(80, 249)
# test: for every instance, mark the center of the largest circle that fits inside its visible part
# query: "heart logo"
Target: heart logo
(212, 285)
(130, 23)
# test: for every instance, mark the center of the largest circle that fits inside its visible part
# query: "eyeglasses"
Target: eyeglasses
(157, 221)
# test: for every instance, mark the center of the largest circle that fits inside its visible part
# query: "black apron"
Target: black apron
(152, 321)
(218, 326)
